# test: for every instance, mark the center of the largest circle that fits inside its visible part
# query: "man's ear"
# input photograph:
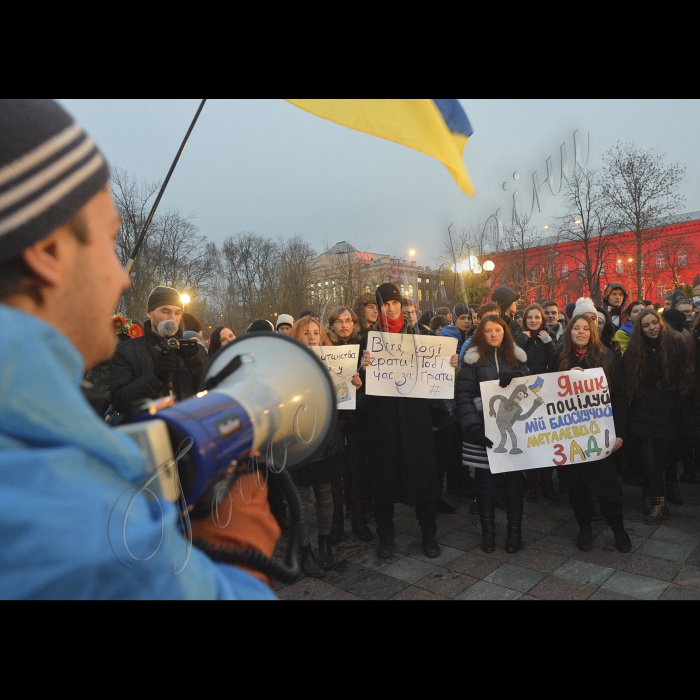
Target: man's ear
(48, 258)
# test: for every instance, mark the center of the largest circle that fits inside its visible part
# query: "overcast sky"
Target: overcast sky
(269, 167)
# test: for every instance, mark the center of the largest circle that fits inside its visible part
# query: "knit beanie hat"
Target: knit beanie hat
(164, 296)
(284, 318)
(461, 309)
(504, 297)
(49, 169)
(584, 305)
(387, 292)
(569, 311)
(260, 324)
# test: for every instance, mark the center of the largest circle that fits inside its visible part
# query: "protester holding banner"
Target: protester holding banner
(582, 348)
(654, 365)
(400, 454)
(492, 355)
(539, 345)
(318, 473)
(344, 329)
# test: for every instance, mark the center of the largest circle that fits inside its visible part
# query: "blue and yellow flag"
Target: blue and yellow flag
(438, 128)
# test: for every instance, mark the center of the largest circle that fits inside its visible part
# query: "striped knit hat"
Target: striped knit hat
(49, 168)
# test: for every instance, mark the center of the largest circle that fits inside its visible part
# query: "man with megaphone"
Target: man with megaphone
(159, 363)
(65, 475)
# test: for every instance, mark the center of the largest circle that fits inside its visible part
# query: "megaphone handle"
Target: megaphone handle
(252, 558)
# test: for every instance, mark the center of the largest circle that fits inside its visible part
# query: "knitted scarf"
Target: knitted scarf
(384, 323)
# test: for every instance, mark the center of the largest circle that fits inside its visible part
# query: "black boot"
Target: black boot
(673, 494)
(622, 539)
(612, 510)
(585, 537)
(386, 546)
(499, 498)
(309, 565)
(359, 526)
(487, 515)
(514, 511)
(531, 492)
(338, 526)
(325, 554)
(430, 545)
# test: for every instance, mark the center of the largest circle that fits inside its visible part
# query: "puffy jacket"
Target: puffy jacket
(452, 331)
(473, 372)
(539, 354)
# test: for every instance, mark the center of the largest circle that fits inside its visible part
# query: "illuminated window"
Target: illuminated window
(660, 261)
(403, 291)
(682, 257)
(427, 281)
(619, 266)
(565, 272)
(420, 295)
(410, 291)
(442, 282)
(419, 280)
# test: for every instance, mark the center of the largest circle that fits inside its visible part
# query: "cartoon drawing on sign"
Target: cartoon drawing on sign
(342, 393)
(509, 412)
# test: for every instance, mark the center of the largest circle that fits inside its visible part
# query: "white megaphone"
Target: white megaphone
(264, 393)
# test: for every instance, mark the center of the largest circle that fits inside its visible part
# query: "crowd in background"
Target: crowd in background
(406, 450)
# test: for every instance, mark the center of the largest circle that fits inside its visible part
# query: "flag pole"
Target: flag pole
(134, 253)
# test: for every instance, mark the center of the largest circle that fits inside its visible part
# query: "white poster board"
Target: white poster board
(410, 365)
(341, 361)
(548, 420)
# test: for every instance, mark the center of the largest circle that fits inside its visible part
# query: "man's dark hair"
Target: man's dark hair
(438, 322)
(16, 277)
(549, 302)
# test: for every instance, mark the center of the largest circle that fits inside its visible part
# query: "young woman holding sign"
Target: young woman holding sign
(539, 346)
(582, 348)
(653, 364)
(318, 473)
(492, 354)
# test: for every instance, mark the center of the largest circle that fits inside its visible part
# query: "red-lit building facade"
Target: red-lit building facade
(670, 258)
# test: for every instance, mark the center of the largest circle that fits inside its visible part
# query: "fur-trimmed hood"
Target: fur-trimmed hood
(471, 356)
(354, 338)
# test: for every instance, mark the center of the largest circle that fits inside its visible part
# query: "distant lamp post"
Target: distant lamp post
(185, 298)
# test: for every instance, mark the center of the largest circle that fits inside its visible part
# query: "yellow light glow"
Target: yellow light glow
(296, 398)
(185, 298)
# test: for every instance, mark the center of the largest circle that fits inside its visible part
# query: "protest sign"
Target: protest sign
(548, 420)
(341, 362)
(410, 365)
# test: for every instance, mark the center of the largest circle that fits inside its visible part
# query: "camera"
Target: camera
(184, 348)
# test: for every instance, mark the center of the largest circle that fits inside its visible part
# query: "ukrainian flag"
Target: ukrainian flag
(438, 128)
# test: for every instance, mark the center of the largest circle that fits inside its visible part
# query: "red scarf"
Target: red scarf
(386, 324)
(580, 352)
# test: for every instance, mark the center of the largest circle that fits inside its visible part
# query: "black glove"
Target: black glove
(477, 436)
(187, 351)
(165, 366)
(505, 378)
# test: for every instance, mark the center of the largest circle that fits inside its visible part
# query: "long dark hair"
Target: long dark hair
(691, 371)
(507, 345)
(215, 340)
(635, 364)
(597, 356)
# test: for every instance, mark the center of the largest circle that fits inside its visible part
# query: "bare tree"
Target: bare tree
(587, 225)
(642, 189)
(296, 271)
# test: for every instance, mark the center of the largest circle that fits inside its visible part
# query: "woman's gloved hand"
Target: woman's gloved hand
(477, 436)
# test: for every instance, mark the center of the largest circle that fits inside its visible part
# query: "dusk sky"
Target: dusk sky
(269, 167)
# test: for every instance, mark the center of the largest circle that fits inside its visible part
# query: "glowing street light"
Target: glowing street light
(185, 298)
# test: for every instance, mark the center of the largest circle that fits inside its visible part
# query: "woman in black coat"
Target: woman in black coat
(654, 364)
(492, 354)
(582, 348)
(539, 346)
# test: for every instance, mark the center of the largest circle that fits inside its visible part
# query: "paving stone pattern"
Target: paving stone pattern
(664, 563)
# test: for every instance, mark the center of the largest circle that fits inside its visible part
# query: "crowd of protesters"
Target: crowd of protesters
(407, 450)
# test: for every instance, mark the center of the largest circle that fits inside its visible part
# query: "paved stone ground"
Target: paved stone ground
(664, 563)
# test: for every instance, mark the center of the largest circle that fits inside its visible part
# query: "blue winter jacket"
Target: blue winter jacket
(64, 474)
(452, 331)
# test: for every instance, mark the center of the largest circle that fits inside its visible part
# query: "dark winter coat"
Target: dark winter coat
(657, 413)
(600, 476)
(399, 447)
(131, 377)
(539, 354)
(473, 372)
(616, 311)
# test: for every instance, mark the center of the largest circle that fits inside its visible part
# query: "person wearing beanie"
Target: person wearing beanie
(461, 326)
(260, 324)
(505, 297)
(614, 301)
(65, 475)
(569, 311)
(193, 335)
(585, 305)
(192, 323)
(140, 370)
(284, 324)
(400, 450)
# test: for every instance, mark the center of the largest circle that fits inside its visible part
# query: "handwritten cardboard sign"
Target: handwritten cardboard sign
(410, 365)
(548, 420)
(341, 362)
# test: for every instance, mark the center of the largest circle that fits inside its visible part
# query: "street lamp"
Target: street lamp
(185, 298)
